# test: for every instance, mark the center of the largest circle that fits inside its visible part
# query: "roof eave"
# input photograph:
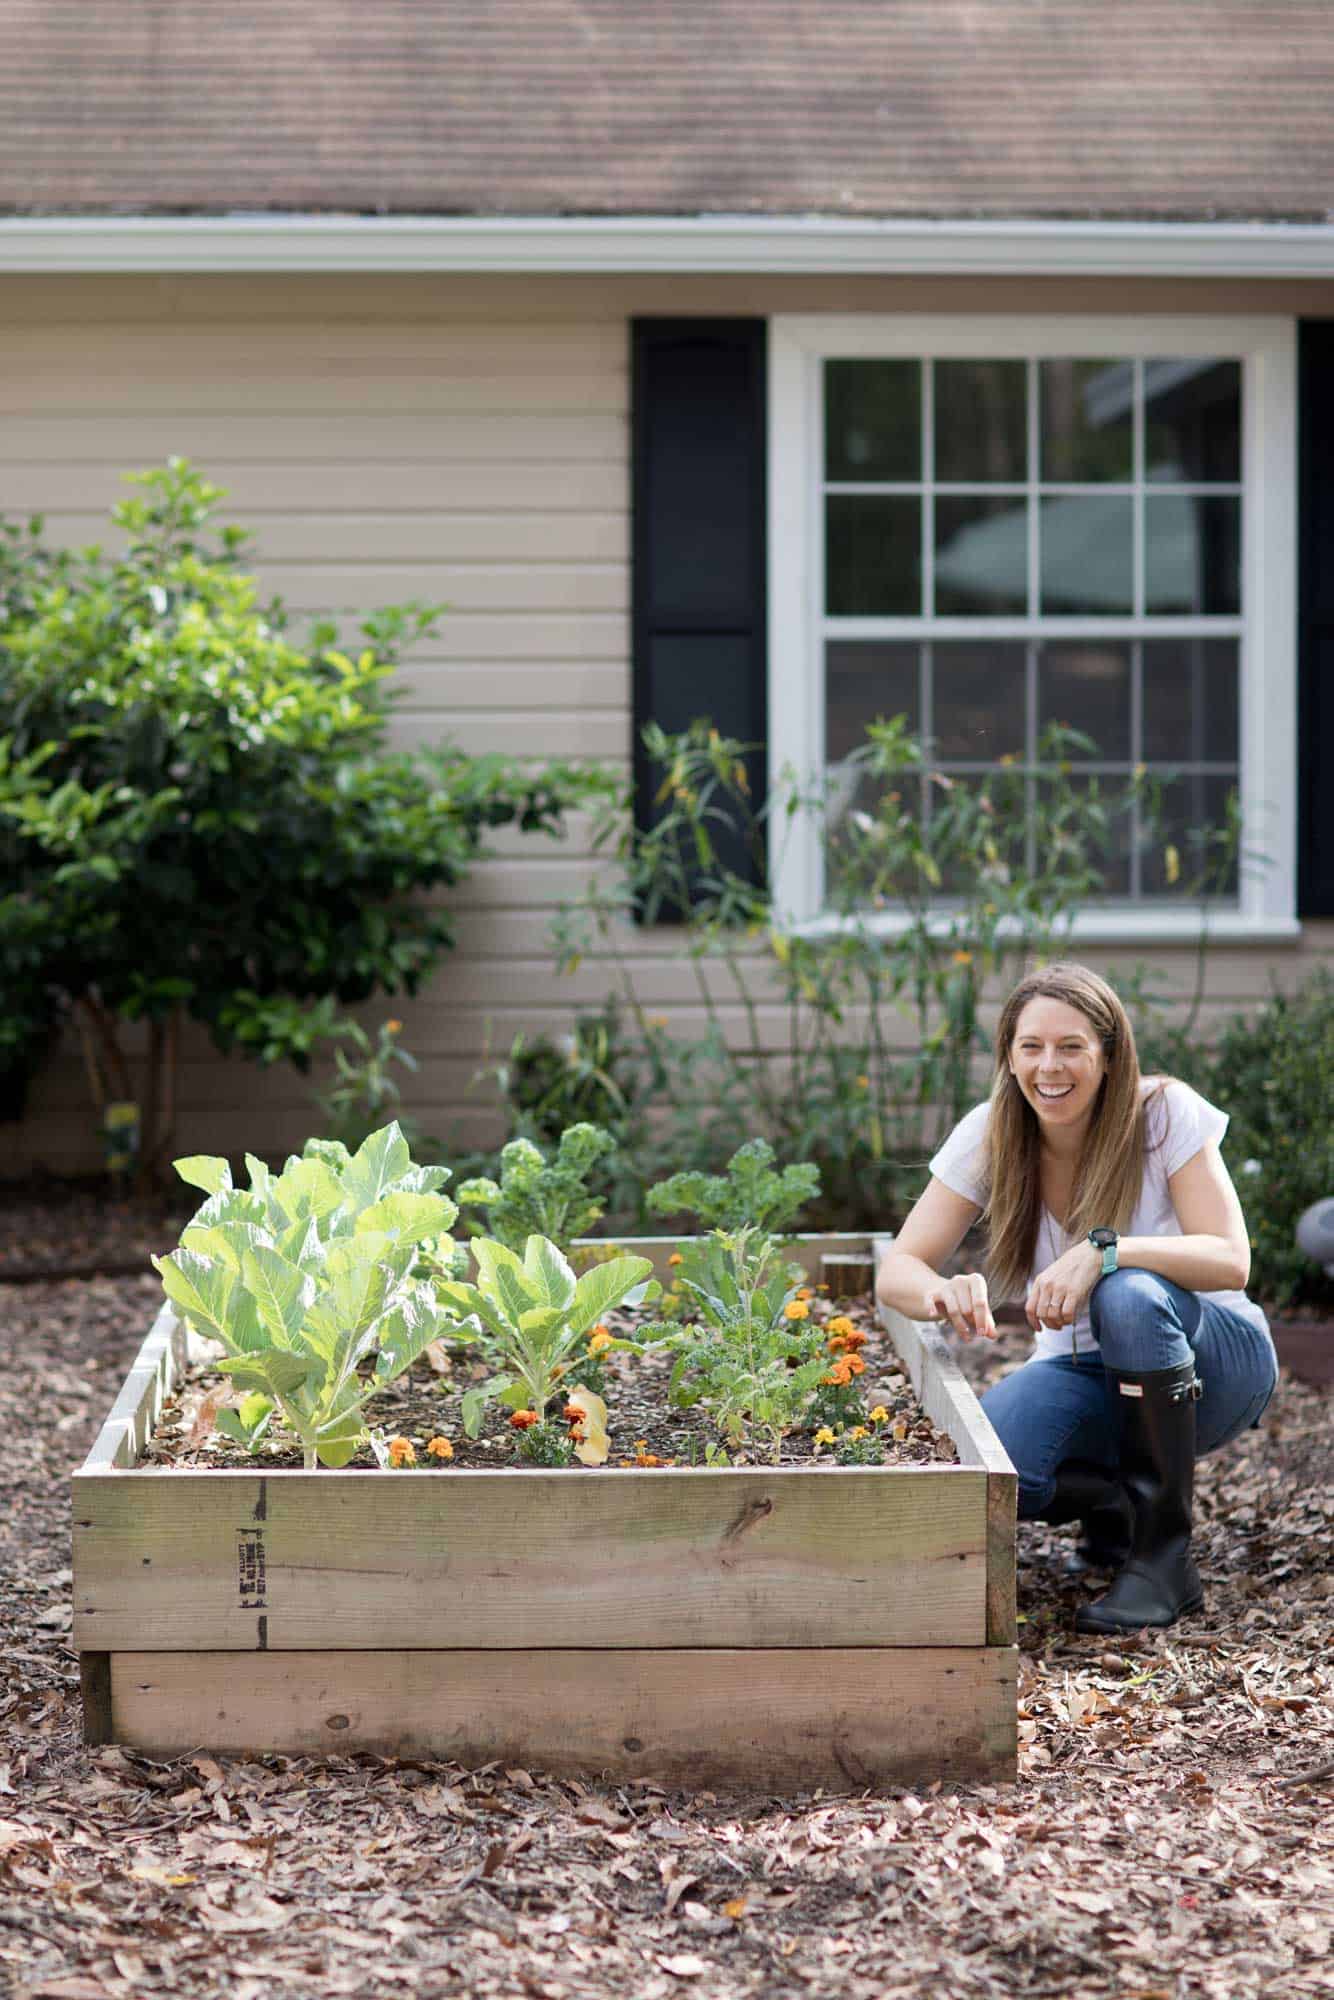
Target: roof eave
(702, 243)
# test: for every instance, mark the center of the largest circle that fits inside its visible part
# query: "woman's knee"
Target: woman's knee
(1137, 1320)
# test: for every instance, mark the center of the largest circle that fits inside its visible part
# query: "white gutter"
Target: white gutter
(815, 244)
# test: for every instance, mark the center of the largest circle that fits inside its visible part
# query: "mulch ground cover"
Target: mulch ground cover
(1171, 1833)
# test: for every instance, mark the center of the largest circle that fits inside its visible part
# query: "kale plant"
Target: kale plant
(541, 1197)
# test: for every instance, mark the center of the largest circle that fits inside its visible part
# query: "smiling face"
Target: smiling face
(1058, 1062)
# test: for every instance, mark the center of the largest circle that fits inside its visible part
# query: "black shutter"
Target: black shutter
(698, 546)
(1315, 639)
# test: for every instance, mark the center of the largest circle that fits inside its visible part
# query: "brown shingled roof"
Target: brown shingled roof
(1153, 109)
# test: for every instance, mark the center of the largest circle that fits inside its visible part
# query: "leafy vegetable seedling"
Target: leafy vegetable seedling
(306, 1276)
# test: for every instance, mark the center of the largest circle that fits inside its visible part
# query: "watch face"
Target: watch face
(1103, 1239)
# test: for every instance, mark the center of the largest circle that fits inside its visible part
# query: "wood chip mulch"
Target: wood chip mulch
(1171, 1834)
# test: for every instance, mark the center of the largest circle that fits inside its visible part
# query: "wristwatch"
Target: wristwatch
(1105, 1240)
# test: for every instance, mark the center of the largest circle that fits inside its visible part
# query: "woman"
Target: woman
(1110, 1209)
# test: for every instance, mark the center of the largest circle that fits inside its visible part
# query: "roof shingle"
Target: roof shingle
(1135, 109)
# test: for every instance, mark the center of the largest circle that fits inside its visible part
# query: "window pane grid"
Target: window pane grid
(1097, 568)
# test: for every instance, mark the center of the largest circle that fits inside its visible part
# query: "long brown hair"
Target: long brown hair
(1110, 1170)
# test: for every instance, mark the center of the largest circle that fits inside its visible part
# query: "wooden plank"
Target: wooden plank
(789, 1556)
(844, 1719)
(95, 1690)
(139, 1404)
(948, 1399)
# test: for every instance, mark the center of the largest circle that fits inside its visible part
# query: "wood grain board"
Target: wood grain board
(841, 1718)
(690, 1557)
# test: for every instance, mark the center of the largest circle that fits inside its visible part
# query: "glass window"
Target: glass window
(1029, 541)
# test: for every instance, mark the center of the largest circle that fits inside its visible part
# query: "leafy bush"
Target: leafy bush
(306, 1276)
(749, 1192)
(1272, 1071)
(991, 876)
(539, 1196)
(198, 816)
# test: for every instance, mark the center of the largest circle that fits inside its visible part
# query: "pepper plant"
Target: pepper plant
(306, 1280)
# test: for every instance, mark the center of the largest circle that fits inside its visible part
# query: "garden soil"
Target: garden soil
(1171, 1834)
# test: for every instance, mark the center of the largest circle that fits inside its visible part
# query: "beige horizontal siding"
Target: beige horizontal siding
(461, 440)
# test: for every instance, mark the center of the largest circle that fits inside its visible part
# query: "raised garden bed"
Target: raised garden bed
(777, 1626)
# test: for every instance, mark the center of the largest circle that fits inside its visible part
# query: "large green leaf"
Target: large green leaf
(514, 1293)
(227, 1242)
(405, 1334)
(306, 1188)
(473, 1304)
(204, 1170)
(491, 1258)
(409, 1217)
(336, 1441)
(547, 1269)
(603, 1288)
(539, 1321)
(276, 1370)
(281, 1291)
(200, 1291)
(376, 1167)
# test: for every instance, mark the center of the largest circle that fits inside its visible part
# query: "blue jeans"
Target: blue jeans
(1053, 1409)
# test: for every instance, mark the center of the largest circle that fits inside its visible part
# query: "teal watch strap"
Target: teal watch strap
(1109, 1260)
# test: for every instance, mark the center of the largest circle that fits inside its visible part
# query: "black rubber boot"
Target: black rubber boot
(1159, 1582)
(1094, 1496)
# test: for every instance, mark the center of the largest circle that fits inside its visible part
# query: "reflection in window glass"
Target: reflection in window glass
(863, 681)
(981, 421)
(978, 699)
(1192, 421)
(1086, 420)
(1192, 554)
(873, 420)
(1190, 701)
(1108, 852)
(1086, 554)
(873, 555)
(981, 555)
(1190, 805)
(1086, 685)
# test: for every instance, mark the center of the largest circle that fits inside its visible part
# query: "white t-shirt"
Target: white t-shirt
(1178, 1123)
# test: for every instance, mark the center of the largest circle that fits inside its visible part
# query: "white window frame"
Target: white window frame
(1266, 347)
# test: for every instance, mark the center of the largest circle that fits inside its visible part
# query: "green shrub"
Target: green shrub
(198, 816)
(1272, 1071)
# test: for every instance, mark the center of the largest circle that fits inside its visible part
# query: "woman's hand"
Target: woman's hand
(963, 1301)
(1057, 1295)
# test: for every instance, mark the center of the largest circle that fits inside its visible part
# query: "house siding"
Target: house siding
(467, 441)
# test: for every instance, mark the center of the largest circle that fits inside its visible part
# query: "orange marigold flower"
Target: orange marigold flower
(880, 1415)
(392, 1027)
(854, 1364)
(572, 1414)
(838, 1345)
(855, 1338)
(676, 1258)
(796, 1309)
(840, 1324)
(839, 1375)
(439, 1448)
(598, 1340)
(401, 1452)
(858, 1431)
(823, 1436)
(804, 1292)
(523, 1420)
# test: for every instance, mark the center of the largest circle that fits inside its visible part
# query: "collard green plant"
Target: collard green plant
(750, 1357)
(537, 1196)
(198, 814)
(306, 1280)
(750, 1192)
(532, 1314)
